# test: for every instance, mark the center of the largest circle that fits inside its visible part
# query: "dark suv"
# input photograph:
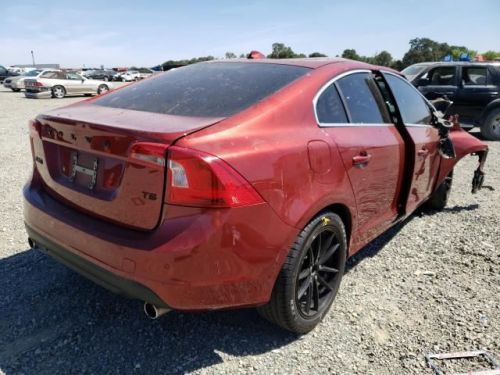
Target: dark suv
(105, 75)
(4, 73)
(473, 87)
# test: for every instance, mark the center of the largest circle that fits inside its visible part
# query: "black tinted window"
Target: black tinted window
(358, 91)
(329, 107)
(206, 90)
(411, 105)
(443, 76)
(475, 76)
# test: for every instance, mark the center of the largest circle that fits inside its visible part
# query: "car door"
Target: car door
(439, 81)
(351, 110)
(417, 119)
(73, 84)
(475, 91)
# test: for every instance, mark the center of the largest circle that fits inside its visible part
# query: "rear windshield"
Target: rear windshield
(204, 90)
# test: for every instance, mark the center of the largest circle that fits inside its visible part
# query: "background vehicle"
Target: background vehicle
(129, 76)
(474, 89)
(58, 84)
(4, 73)
(16, 83)
(105, 75)
(145, 73)
(239, 183)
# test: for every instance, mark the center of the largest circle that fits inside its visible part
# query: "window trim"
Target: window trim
(426, 101)
(324, 87)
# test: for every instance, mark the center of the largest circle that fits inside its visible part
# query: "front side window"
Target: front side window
(443, 76)
(329, 107)
(216, 89)
(363, 100)
(474, 76)
(413, 108)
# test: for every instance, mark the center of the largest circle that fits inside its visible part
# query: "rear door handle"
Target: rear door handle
(423, 152)
(361, 159)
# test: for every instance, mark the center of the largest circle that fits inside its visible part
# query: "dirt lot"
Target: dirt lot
(432, 284)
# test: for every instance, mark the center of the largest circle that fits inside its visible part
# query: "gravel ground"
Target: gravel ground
(431, 284)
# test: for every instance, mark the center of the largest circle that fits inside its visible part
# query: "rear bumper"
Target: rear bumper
(91, 271)
(195, 260)
(38, 94)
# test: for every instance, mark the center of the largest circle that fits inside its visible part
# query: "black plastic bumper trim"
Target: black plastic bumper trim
(98, 275)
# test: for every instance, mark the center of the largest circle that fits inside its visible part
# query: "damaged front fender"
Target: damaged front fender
(464, 144)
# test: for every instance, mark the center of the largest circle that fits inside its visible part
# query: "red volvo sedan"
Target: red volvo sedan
(241, 183)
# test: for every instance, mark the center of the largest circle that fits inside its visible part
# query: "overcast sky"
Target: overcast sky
(146, 33)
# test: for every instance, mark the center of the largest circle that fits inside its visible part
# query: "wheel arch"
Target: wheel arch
(494, 104)
(345, 215)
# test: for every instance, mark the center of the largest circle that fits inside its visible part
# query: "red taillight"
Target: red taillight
(201, 180)
(151, 154)
(37, 84)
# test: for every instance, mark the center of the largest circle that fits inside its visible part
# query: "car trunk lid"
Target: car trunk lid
(96, 159)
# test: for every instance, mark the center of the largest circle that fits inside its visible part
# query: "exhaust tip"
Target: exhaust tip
(153, 312)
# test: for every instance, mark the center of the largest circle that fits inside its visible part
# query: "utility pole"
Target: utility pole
(33, 58)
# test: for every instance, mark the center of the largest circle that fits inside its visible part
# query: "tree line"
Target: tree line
(421, 49)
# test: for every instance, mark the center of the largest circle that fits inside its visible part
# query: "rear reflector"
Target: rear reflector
(151, 154)
(202, 180)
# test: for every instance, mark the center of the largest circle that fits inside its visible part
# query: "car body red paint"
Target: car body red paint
(199, 258)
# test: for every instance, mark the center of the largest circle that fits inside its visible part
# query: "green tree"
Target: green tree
(490, 55)
(383, 58)
(317, 54)
(280, 51)
(350, 54)
(230, 55)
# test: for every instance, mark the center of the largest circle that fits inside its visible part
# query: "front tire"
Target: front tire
(439, 199)
(490, 129)
(58, 92)
(310, 277)
(102, 89)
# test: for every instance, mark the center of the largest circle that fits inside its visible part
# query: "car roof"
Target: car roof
(308, 62)
(493, 63)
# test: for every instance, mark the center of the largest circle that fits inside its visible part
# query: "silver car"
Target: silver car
(16, 83)
(58, 84)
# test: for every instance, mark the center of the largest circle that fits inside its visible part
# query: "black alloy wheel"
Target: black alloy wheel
(319, 271)
(310, 276)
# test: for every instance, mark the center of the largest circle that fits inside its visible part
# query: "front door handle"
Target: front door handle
(423, 152)
(362, 159)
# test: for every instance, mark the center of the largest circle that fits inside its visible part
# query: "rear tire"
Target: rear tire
(58, 92)
(439, 199)
(310, 277)
(490, 129)
(15, 90)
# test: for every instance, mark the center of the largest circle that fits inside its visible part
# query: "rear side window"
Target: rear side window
(360, 93)
(474, 76)
(54, 75)
(329, 107)
(443, 76)
(205, 90)
(413, 108)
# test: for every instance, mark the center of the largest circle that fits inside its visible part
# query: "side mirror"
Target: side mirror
(423, 82)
